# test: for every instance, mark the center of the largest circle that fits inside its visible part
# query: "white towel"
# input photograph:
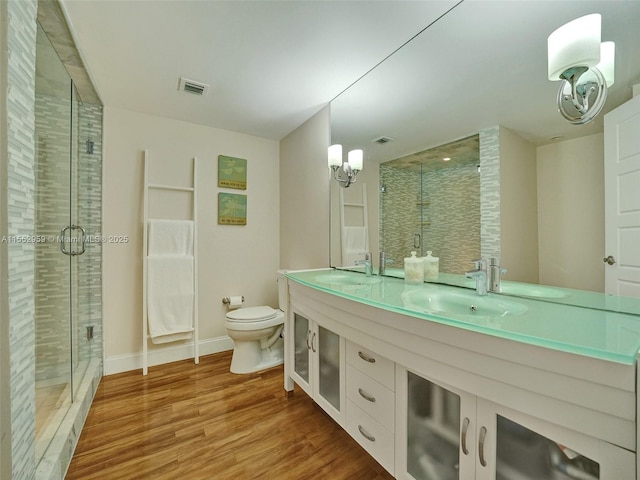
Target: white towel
(170, 296)
(170, 237)
(354, 244)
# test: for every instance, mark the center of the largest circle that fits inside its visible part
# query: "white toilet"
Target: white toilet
(255, 332)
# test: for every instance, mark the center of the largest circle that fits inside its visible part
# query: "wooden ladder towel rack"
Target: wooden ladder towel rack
(145, 240)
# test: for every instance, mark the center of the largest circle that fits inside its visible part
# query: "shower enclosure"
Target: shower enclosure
(67, 242)
(431, 204)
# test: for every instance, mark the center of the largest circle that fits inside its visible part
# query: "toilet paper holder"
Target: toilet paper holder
(227, 300)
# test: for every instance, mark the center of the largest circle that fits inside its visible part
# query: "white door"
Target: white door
(622, 199)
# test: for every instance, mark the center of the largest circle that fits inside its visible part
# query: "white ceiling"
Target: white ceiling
(270, 65)
(484, 64)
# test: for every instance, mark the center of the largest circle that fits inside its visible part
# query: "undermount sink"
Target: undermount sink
(527, 290)
(455, 303)
(346, 279)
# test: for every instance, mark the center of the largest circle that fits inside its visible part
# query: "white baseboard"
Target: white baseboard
(165, 354)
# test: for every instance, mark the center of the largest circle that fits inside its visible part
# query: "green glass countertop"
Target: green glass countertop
(592, 332)
(562, 295)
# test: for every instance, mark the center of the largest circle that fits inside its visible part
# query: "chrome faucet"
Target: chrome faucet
(480, 274)
(383, 262)
(494, 274)
(368, 270)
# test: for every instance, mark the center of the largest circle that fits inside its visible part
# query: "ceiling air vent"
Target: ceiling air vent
(190, 86)
(382, 140)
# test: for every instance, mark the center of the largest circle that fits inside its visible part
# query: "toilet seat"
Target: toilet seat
(251, 314)
(254, 318)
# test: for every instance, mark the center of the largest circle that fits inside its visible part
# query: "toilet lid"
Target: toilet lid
(251, 314)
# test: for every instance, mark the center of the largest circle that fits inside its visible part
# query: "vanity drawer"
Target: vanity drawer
(372, 397)
(372, 436)
(379, 368)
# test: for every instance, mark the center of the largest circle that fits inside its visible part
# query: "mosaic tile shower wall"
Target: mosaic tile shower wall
(490, 192)
(439, 210)
(451, 216)
(20, 74)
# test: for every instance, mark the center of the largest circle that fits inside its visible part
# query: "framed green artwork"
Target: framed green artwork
(232, 172)
(232, 209)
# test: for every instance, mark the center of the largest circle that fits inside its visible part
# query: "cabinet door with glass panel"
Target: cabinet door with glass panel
(318, 365)
(522, 447)
(435, 429)
(448, 434)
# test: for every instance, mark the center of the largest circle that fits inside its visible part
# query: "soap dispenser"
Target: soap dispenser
(413, 269)
(431, 267)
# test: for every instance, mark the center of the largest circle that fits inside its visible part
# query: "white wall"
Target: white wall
(571, 213)
(233, 260)
(518, 208)
(369, 176)
(304, 195)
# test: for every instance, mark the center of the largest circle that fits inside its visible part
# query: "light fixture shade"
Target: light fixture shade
(607, 61)
(335, 155)
(576, 43)
(355, 158)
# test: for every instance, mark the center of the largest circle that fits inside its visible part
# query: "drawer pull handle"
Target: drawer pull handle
(463, 439)
(366, 357)
(366, 435)
(483, 435)
(366, 396)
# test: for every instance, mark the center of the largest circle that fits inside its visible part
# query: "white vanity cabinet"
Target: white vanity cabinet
(430, 398)
(371, 403)
(448, 434)
(318, 364)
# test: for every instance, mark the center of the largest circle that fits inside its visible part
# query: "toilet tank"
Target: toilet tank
(283, 291)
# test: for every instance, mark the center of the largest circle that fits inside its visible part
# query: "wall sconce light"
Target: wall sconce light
(585, 66)
(349, 169)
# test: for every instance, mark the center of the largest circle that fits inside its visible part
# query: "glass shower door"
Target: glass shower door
(400, 210)
(85, 245)
(61, 353)
(74, 246)
(53, 272)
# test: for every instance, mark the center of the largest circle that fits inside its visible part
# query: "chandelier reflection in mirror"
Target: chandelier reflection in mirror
(345, 172)
(585, 66)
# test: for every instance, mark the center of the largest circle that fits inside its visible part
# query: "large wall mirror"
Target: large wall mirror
(521, 183)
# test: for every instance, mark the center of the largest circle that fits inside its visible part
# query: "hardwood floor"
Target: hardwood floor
(194, 422)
